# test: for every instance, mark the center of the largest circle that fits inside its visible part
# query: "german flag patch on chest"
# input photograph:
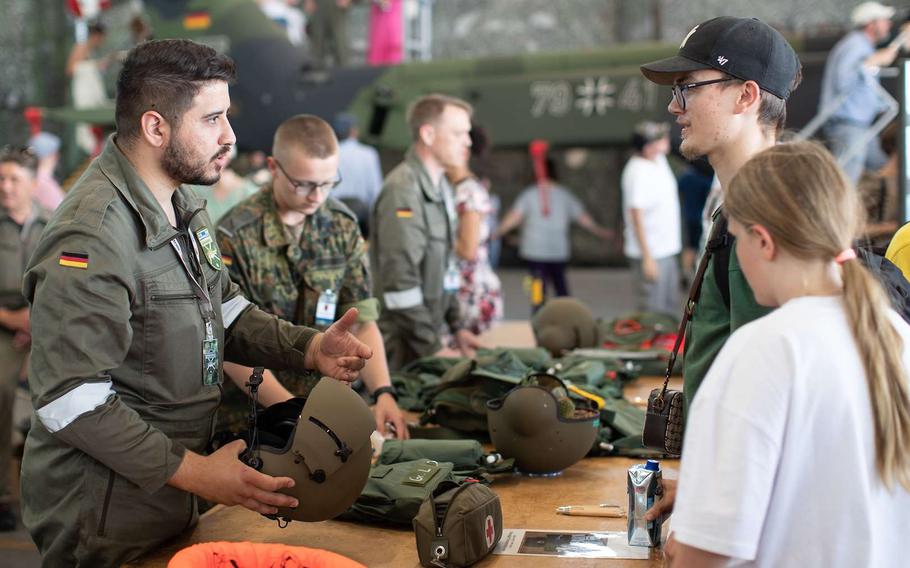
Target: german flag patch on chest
(74, 260)
(404, 213)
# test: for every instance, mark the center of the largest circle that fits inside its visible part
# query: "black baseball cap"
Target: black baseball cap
(745, 48)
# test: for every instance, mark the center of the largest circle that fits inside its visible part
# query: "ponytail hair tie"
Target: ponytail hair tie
(845, 255)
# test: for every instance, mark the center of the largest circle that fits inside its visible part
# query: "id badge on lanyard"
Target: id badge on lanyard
(209, 356)
(452, 280)
(210, 359)
(325, 308)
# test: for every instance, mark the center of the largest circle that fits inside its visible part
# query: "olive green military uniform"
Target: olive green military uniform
(130, 321)
(17, 243)
(329, 32)
(411, 252)
(286, 277)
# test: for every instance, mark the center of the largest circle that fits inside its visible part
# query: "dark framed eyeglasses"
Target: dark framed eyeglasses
(304, 187)
(679, 90)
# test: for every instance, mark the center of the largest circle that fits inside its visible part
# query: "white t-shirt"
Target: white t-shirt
(650, 185)
(778, 466)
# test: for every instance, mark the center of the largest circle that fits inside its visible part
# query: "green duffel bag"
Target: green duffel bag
(458, 525)
(459, 401)
(466, 456)
(393, 492)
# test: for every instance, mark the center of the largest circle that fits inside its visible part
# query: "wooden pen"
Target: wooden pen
(592, 511)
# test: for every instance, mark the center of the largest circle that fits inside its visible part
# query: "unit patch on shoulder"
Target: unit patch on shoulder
(74, 260)
(209, 248)
(404, 213)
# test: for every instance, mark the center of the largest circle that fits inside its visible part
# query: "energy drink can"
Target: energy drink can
(644, 490)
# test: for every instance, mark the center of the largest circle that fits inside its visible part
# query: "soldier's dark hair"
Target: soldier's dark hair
(21, 156)
(427, 110)
(305, 133)
(164, 76)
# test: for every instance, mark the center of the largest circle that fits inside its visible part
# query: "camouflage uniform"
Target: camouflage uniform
(287, 278)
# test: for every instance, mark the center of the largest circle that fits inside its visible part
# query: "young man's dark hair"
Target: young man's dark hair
(772, 112)
(164, 76)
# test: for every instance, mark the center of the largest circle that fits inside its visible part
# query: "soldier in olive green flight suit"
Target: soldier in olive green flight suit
(329, 30)
(132, 315)
(299, 254)
(21, 222)
(412, 248)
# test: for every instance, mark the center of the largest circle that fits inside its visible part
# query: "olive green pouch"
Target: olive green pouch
(458, 524)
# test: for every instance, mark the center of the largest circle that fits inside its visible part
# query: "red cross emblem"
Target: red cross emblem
(490, 531)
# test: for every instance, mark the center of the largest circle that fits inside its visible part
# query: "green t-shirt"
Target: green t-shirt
(713, 322)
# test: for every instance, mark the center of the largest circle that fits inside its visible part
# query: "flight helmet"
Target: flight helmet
(322, 441)
(539, 425)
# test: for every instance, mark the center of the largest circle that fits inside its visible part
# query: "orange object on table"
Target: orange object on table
(257, 555)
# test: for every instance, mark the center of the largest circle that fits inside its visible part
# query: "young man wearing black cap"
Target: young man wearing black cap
(731, 80)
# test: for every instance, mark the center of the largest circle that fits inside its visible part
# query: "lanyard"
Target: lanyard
(200, 289)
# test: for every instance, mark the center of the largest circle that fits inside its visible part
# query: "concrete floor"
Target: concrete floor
(608, 292)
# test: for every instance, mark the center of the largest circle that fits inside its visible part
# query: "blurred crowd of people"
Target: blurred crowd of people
(321, 26)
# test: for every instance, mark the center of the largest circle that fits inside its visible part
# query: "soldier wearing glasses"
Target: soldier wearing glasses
(299, 254)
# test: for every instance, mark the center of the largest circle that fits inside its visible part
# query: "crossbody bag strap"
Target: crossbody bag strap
(694, 292)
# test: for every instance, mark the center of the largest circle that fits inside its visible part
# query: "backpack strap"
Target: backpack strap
(719, 244)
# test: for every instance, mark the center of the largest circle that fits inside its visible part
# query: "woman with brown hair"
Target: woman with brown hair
(798, 448)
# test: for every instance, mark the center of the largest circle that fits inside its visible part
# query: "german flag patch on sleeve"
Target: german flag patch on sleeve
(404, 213)
(226, 260)
(74, 260)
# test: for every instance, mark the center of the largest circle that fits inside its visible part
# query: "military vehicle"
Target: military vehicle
(590, 98)
(585, 104)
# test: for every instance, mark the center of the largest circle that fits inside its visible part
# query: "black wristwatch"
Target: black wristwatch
(382, 390)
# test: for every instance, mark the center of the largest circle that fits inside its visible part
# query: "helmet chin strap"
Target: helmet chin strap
(251, 456)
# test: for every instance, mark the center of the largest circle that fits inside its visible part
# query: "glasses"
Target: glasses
(304, 187)
(679, 91)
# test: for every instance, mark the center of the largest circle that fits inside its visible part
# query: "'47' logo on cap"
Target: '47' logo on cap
(722, 60)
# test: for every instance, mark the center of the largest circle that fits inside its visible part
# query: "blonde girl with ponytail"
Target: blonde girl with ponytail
(797, 452)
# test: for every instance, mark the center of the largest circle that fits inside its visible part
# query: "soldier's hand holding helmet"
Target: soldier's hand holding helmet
(337, 353)
(222, 478)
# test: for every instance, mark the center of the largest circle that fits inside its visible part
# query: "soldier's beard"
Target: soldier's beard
(180, 164)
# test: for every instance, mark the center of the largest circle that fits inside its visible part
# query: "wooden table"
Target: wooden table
(527, 502)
